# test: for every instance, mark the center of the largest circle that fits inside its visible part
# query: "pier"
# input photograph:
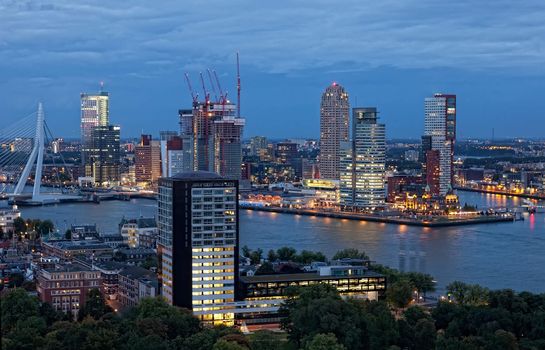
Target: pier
(436, 221)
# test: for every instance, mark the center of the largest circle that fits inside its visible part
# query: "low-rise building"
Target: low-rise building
(65, 286)
(133, 229)
(136, 283)
(7, 216)
(66, 249)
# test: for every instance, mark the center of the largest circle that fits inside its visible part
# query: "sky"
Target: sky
(388, 54)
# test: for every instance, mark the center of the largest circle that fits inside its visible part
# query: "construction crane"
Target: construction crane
(238, 87)
(206, 94)
(194, 96)
(212, 85)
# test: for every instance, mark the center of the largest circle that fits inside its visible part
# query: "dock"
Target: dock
(438, 221)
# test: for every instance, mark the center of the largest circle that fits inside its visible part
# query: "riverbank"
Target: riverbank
(478, 190)
(435, 222)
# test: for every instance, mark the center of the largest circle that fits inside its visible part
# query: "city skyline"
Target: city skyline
(394, 56)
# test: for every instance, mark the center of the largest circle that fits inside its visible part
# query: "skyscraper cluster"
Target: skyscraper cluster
(357, 163)
(100, 141)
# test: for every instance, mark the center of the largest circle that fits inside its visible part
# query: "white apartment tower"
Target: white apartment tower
(334, 118)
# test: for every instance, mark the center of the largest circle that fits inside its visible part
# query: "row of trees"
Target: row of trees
(506, 320)
(152, 324)
(20, 225)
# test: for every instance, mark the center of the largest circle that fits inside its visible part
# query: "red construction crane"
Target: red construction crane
(212, 85)
(238, 87)
(206, 94)
(194, 96)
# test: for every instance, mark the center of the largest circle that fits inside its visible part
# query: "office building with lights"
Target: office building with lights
(104, 158)
(198, 244)
(440, 136)
(362, 175)
(334, 119)
(147, 160)
(95, 111)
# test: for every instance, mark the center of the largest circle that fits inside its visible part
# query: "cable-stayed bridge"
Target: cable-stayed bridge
(22, 152)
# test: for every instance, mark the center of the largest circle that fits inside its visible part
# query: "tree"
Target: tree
(95, 306)
(468, 294)
(423, 283)
(424, 335)
(399, 294)
(45, 227)
(414, 314)
(350, 253)
(16, 306)
(19, 225)
(319, 309)
(16, 280)
(307, 256)
(272, 256)
(286, 253)
(228, 345)
(246, 252)
(264, 340)
(265, 269)
(324, 342)
(256, 256)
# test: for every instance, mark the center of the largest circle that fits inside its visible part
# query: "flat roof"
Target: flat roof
(305, 276)
(197, 175)
(67, 267)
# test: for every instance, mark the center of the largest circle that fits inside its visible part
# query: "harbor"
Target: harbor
(430, 221)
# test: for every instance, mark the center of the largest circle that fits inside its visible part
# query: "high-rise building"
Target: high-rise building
(95, 111)
(216, 137)
(334, 118)
(147, 160)
(362, 175)
(198, 244)
(258, 144)
(104, 158)
(178, 157)
(440, 125)
(186, 122)
(287, 153)
(164, 137)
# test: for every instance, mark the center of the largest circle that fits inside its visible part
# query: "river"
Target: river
(500, 255)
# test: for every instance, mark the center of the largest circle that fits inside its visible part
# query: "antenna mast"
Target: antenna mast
(238, 87)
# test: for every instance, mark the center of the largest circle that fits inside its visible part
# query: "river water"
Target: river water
(501, 255)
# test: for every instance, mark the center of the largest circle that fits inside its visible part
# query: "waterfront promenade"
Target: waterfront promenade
(435, 221)
(504, 193)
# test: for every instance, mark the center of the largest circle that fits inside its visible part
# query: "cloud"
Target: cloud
(278, 37)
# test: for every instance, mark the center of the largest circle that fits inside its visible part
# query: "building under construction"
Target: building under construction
(216, 129)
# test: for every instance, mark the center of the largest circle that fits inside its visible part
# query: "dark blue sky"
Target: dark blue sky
(389, 54)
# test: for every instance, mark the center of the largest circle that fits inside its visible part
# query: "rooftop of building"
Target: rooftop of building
(197, 175)
(67, 267)
(304, 276)
(141, 222)
(76, 245)
(137, 272)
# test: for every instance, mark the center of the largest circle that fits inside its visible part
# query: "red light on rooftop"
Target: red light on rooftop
(334, 83)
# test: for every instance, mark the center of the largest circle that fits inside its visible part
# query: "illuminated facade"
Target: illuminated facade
(440, 126)
(147, 160)
(103, 156)
(334, 115)
(362, 175)
(198, 244)
(95, 111)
